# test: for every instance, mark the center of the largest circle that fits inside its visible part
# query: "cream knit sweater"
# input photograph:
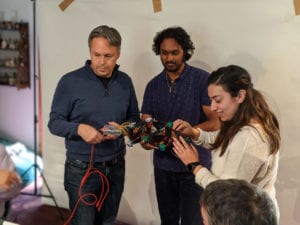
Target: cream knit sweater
(247, 157)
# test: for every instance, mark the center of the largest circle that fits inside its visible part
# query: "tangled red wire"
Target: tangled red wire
(98, 200)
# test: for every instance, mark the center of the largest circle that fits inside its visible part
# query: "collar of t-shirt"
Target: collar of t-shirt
(105, 80)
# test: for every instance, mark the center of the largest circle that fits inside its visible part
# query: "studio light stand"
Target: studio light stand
(35, 166)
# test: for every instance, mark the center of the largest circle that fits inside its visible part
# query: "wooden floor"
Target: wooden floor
(40, 215)
(27, 209)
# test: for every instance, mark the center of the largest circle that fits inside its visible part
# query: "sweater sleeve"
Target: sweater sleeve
(206, 138)
(60, 110)
(243, 159)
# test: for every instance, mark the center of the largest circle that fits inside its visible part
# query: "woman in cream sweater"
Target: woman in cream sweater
(247, 144)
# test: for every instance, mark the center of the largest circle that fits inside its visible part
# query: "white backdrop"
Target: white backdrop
(262, 36)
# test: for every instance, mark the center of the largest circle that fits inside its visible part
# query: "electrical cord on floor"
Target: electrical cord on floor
(98, 200)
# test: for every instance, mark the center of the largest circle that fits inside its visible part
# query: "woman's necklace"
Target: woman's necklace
(170, 84)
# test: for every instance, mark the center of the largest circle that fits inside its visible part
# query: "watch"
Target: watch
(191, 166)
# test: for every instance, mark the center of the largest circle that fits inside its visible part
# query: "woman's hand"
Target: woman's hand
(186, 129)
(187, 153)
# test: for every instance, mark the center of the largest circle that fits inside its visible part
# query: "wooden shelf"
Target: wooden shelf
(14, 54)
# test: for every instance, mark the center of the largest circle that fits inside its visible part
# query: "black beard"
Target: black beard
(175, 69)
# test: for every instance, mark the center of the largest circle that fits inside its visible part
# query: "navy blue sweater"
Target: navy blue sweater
(80, 97)
(185, 102)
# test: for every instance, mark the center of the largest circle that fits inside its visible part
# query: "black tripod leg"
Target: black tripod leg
(35, 193)
(52, 196)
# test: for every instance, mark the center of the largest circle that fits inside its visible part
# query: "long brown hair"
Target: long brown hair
(233, 79)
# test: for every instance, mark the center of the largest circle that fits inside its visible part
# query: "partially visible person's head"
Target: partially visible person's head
(105, 46)
(174, 46)
(236, 202)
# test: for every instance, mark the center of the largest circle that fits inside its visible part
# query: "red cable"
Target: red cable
(98, 202)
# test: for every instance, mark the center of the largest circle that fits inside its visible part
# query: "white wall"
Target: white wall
(16, 106)
(262, 36)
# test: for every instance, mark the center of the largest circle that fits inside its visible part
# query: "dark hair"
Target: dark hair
(233, 79)
(110, 33)
(180, 35)
(234, 201)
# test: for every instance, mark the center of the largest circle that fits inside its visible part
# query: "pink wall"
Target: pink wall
(16, 106)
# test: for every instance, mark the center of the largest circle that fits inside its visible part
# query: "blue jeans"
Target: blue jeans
(178, 198)
(88, 214)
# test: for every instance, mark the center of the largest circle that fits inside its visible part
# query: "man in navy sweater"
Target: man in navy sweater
(178, 91)
(85, 100)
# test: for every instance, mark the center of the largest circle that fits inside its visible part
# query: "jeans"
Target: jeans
(178, 198)
(88, 214)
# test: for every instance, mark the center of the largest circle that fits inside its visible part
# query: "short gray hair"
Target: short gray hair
(110, 33)
(234, 201)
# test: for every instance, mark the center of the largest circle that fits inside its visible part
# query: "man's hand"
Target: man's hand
(112, 136)
(89, 134)
(148, 146)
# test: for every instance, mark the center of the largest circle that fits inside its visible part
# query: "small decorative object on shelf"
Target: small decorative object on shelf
(14, 54)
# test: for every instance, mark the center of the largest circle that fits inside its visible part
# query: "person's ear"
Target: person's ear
(241, 95)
